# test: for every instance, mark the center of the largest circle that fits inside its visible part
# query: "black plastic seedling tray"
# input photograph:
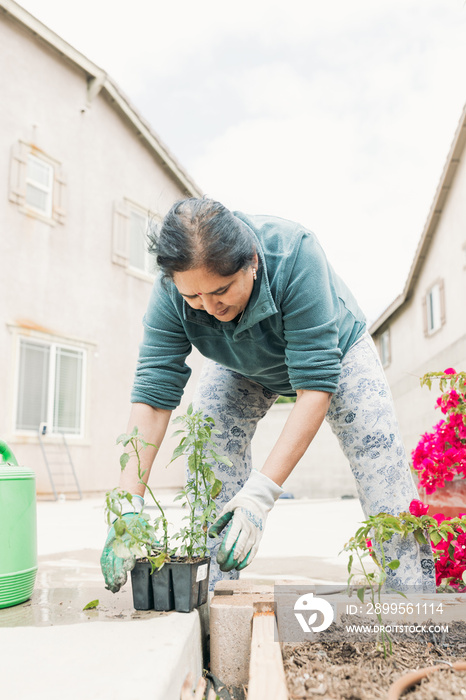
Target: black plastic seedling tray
(179, 585)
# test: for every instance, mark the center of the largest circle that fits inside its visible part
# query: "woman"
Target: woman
(257, 297)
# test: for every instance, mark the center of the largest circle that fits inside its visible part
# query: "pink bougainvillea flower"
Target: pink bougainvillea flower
(449, 401)
(441, 454)
(369, 546)
(449, 370)
(461, 544)
(439, 517)
(417, 507)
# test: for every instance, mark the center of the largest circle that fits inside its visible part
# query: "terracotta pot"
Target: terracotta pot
(449, 500)
(412, 677)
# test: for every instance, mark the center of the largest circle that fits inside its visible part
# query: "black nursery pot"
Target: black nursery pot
(179, 585)
(141, 581)
(190, 582)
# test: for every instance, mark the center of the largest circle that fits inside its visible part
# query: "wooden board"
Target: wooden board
(266, 673)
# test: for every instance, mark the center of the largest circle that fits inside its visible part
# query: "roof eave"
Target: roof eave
(151, 138)
(97, 80)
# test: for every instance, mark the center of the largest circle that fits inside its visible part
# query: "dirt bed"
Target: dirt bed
(338, 666)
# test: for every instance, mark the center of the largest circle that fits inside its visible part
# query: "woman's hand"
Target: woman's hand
(115, 568)
(247, 512)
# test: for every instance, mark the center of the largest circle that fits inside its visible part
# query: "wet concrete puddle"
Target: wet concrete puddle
(65, 584)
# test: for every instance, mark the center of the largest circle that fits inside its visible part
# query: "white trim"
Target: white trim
(51, 387)
(140, 274)
(46, 334)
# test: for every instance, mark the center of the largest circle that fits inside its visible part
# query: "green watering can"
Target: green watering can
(18, 530)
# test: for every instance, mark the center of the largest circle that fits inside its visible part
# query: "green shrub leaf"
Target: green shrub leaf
(124, 460)
(394, 564)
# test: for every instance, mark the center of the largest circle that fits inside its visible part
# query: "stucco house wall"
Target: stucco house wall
(61, 279)
(322, 472)
(441, 257)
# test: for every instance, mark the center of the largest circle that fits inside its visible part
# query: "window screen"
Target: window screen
(50, 387)
(68, 391)
(32, 385)
(39, 183)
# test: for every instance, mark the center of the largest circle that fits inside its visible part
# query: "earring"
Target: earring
(254, 274)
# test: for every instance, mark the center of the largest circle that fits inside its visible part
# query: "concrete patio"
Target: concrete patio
(51, 648)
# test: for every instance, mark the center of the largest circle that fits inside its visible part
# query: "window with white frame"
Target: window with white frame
(50, 387)
(130, 228)
(139, 257)
(434, 308)
(384, 344)
(39, 185)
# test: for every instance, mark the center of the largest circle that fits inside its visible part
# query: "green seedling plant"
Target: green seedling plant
(374, 531)
(369, 541)
(140, 537)
(137, 535)
(202, 486)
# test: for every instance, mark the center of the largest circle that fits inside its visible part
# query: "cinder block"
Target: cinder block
(231, 612)
(242, 586)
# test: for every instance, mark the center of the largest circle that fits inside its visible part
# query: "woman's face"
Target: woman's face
(222, 297)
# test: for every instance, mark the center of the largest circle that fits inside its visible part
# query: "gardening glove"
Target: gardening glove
(115, 569)
(248, 512)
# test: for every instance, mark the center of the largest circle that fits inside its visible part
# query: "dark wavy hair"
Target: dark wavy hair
(201, 233)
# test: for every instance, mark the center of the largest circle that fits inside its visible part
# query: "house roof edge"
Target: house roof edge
(103, 81)
(436, 209)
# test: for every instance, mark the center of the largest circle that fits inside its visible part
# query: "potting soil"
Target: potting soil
(338, 666)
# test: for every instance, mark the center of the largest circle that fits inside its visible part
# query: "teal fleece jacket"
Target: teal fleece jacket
(299, 322)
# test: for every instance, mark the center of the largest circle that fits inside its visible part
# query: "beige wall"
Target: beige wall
(412, 352)
(322, 472)
(59, 280)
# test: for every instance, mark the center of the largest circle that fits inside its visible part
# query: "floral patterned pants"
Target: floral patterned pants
(362, 416)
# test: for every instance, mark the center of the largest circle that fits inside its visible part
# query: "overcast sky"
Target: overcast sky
(338, 114)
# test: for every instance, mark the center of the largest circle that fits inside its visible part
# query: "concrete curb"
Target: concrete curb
(101, 660)
(52, 648)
